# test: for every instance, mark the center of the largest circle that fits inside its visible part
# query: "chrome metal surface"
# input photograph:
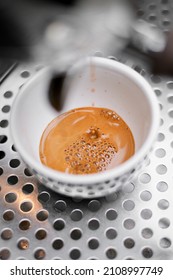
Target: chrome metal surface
(134, 223)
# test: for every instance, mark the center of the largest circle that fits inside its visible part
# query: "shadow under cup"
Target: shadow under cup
(98, 82)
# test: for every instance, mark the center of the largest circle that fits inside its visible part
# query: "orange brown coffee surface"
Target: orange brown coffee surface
(86, 140)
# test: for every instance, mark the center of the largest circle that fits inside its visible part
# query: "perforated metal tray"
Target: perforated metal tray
(134, 223)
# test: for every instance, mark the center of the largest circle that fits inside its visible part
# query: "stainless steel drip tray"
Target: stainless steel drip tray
(134, 223)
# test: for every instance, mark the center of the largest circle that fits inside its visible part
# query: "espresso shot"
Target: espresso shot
(86, 140)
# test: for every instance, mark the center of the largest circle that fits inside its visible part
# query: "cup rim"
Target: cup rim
(108, 174)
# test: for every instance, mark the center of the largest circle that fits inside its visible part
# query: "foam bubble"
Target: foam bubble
(83, 151)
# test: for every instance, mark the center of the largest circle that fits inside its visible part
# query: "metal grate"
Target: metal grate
(134, 223)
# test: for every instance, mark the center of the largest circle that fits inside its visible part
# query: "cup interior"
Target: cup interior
(95, 82)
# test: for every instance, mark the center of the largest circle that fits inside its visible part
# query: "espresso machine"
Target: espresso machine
(57, 33)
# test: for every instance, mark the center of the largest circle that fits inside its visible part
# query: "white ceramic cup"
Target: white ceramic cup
(98, 82)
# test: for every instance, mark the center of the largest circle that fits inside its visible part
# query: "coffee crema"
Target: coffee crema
(86, 140)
